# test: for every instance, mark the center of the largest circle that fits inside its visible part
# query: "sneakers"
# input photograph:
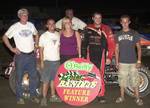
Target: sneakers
(20, 101)
(102, 100)
(55, 99)
(44, 102)
(35, 100)
(120, 100)
(139, 102)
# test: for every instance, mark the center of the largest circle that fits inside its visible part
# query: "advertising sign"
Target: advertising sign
(77, 82)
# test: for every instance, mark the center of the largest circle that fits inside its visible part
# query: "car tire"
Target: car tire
(12, 84)
(144, 87)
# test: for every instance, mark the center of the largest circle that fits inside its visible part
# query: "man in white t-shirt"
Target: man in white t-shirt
(77, 24)
(49, 60)
(22, 32)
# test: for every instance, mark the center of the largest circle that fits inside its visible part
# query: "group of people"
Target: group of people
(98, 44)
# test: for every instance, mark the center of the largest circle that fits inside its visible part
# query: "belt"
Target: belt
(28, 53)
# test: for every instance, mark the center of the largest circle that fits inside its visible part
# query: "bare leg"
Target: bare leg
(52, 88)
(45, 89)
(136, 92)
(54, 97)
(122, 92)
(44, 92)
(138, 100)
(121, 98)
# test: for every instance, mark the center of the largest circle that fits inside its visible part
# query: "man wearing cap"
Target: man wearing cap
(22, 32)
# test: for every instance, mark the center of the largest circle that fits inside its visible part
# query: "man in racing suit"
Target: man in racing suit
(98, 42)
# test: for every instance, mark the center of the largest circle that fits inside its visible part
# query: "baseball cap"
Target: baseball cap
(22, 11)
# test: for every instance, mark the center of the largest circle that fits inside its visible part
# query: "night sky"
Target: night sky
(109, 8)
(10, 6)
(139, 10)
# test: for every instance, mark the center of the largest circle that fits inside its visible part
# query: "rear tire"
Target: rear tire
(144, 87)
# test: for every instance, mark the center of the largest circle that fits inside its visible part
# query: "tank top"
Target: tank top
(68, 45)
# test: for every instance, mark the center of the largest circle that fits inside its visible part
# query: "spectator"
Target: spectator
(77, 24)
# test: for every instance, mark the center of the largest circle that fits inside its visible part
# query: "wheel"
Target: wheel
(25, 84)
(12, 81)
(144, 87)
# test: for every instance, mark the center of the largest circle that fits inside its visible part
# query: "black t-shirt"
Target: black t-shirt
(127, 45)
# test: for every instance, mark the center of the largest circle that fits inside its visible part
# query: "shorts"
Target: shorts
(49, 71)
(128, 75)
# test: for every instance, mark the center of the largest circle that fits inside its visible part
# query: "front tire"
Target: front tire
(12, 81)
(25, 84)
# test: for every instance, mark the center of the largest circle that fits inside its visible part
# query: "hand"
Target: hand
(16, 51)
(80, 56)
(36, 47)
(108, 61)
(138, 65)
(117, 65)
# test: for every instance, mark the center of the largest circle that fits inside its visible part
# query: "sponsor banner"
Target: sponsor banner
(78, 81)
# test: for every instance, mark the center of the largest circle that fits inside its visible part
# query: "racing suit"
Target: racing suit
(98, 44)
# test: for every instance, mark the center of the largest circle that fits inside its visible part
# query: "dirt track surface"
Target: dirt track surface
(8, 100)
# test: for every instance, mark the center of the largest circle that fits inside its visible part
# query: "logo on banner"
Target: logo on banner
(78, 81)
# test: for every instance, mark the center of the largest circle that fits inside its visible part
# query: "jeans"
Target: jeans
(26, 63)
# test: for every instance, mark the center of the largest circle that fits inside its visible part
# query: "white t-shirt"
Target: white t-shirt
(76, 24)
(51, 44)
(23, 36)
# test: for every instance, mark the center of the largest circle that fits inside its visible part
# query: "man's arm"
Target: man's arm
(78, 43)
(84, 44)
(41, 57)
(36, 37)
(111, 43)
(7, 43)
(139, 54)
(117, 55)
(36, 41)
